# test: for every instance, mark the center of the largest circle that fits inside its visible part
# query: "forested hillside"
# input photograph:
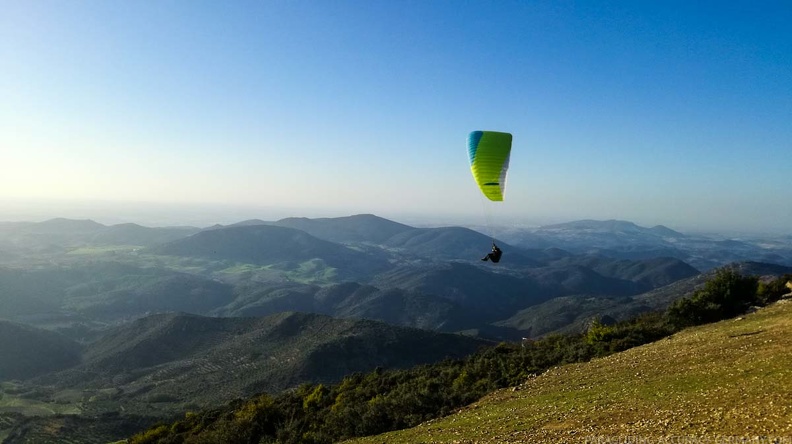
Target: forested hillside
(26, 352)
(387, 400)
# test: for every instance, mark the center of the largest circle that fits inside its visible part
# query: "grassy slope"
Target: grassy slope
(733, 378)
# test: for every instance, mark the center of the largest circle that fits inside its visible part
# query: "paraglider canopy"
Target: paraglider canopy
(489, 161)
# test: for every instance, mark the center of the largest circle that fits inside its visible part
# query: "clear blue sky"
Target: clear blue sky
(667, 112)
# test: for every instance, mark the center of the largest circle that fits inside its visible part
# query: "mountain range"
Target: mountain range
(62, 234)
(626, 240)
(359, 266)
(139, 323)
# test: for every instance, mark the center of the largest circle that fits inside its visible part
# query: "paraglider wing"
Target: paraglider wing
(489, 161)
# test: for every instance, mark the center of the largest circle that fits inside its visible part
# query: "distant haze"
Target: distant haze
(673, 113)
(205, 215)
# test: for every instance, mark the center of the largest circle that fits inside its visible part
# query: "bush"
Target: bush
(727, 295)
(769, 292)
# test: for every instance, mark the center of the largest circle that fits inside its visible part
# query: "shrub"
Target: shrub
(728, 294)
(769, 292)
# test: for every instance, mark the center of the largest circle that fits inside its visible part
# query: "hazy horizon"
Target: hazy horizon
(206, 215)
(665, 113)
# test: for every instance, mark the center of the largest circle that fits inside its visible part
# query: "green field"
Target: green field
(715, 383)
(103, 250)
(34, 401)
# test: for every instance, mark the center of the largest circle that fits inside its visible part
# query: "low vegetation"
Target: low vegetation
(383, 400)
(727, 382)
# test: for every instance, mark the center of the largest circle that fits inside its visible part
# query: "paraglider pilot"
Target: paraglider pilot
(494, 255)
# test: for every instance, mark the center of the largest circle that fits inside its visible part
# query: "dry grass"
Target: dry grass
(725, 382)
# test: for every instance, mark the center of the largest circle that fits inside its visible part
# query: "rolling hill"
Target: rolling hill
(650, 273)
(132, 296)
(569, 314)
(65, 226)
(359, 228)
(626, 240)
(395, 306)
(490, 295)
(104, 291)
(612, 277)
(138, 235)
(434, 243)
(64, 234)
(162, 365)
(457, 296)
(573, 313)
(442, 243)
(171, 358)
(268, 245)
(590, 295)
(607, 230)
(453, 243)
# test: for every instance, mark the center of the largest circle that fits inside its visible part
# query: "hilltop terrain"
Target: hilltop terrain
(729, 379)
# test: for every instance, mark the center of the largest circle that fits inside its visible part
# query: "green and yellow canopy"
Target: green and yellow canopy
(489, 161)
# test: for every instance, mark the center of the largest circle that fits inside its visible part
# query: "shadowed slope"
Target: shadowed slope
(177, 357)
(26, 352)
(493, 296)
(457, 243)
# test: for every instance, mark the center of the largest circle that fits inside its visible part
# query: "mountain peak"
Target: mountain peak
(664, 231)
(269, 244)
(249, 222)
(357, 228)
